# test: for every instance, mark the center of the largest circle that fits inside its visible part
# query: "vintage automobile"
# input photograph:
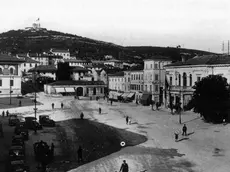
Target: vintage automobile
(45, 121)
(18, 140)
(22, 130)
(16, 153)
(17, 166)
(32, 124)
(13, 120)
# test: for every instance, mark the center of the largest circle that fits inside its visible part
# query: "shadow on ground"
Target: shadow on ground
(97, 140)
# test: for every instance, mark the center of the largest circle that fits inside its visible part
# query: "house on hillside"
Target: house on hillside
(114, 63)
(78, 62)
(45, 70)
(46, 58)
(181, 76)
(61, 52)
(10, 76)
(28, 64)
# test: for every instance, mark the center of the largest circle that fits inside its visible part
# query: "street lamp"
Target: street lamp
(11, 77)
(35, 97)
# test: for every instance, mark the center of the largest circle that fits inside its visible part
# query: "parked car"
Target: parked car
(31, 123)
(18, 140)
(17, 166)
(13, 120)
(16, 153)
(44, 120)
(22, 130)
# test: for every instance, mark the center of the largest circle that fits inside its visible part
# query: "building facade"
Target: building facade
(117, 81)
(58, 52)
(10, 76)
(137, 82)
(114, 63)
(182, 76)
(154, 77)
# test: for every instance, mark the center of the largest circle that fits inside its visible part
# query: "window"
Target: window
(190, 79)
(156, 77)
(155, 66)
(11, 82)
(184, 79)
(170, 80)
(30, 65)
(145, 87)
(198, 78)
(101, 90)
(11, 71)
(179, 78)
(142, 87)
(0, 82)
(150, 87)
(156, 88)
(1, 71)
(24, 65)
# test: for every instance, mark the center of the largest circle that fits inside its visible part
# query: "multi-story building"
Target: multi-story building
(137, 82)
(127, 77)
(28, 64)
(114, 63)
(58, 52)
(45, 70)
(117, 81)
(154, 76)
(46, 59)
(182, 76)
(78, 62)
(10, 75)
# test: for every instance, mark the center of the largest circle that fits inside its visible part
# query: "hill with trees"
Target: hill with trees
(24, 41)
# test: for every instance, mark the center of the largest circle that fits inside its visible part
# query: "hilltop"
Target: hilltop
(38, 41)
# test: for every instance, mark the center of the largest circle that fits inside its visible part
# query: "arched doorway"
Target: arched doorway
(80, 91)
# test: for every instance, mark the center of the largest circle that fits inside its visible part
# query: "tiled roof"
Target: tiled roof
(204, 60)
(44, 68)
(158, 57)
(77, 61)
(79, 68)
(117, 74)
(79, 82)
(11, 59)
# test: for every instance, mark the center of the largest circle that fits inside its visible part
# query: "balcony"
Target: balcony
(181, 88)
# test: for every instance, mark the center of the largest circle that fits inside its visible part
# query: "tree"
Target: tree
(63, 72)
(210, 97)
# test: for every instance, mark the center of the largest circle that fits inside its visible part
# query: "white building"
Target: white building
(58, 52)
(154, 76)
(45, 70)
(117, 81)
(114, 63)
(181, 76)
(10, 76)
(78, 62)
(28, 64)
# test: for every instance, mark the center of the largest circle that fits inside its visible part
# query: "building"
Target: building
(10, 75)
(58, 52)
(114, 63)
(117, 81)
(28, 64)
(182, 76)
(78, 62)
(79, 72)
(154, 76)
(79, 88)
(45, 70)
(46, 58)
(137, 82)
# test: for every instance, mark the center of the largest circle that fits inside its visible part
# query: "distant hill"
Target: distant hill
(23, 41)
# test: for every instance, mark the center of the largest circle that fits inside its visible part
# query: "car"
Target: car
(16, 153)
(13, 120)
(17, 166)
(32, 124)
(22, 130)
(18, 140)
(44, 120)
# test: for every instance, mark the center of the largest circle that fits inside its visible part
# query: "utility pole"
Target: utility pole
(10, 89)
(35, 96)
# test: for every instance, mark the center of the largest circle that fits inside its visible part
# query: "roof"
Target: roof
(29, 60)
(98, 61)
(113, 60)
(77, 61)
(100, 65)
(158, 57)
(10, 59)
(79, 82)
(59, 50)
(117, 74)
(79, 68)
(137, 68)
(44, 68)
(204, 60)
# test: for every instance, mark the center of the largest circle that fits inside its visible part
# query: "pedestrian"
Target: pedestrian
(124, 167)
(111, 102)
(3, 113)
(62, 105)
(20, 103)
(52, 105)
(184, 129)
(99, 110)
(153, 103)
(82, 115)
(157, 105)
(127, 120)
(137, 101)
(176, 136)
(7, 113)
(79, 153)
(1, 130)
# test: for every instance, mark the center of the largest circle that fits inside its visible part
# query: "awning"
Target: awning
(69, 89)
(60, 90)
(125, 95)
(118, 94)
(130, 95)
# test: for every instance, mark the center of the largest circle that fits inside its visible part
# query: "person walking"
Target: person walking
(153, 103)
(3, 113)
(7, 113)
(124, 167)
(20, 103)
(81, 115)
(52, 105)
(79, 154)
(184, 129)
(111, 102)
(62, 105)
(99, 110)
(127, 120)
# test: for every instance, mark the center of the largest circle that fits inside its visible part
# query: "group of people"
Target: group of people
(7, 113)
(184, 132)
(44, 154)
(62, 105)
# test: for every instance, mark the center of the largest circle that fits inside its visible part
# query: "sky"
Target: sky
(196, 24)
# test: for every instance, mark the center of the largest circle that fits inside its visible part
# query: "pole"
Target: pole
(179, 108)
(35, 98)
(10, 90)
